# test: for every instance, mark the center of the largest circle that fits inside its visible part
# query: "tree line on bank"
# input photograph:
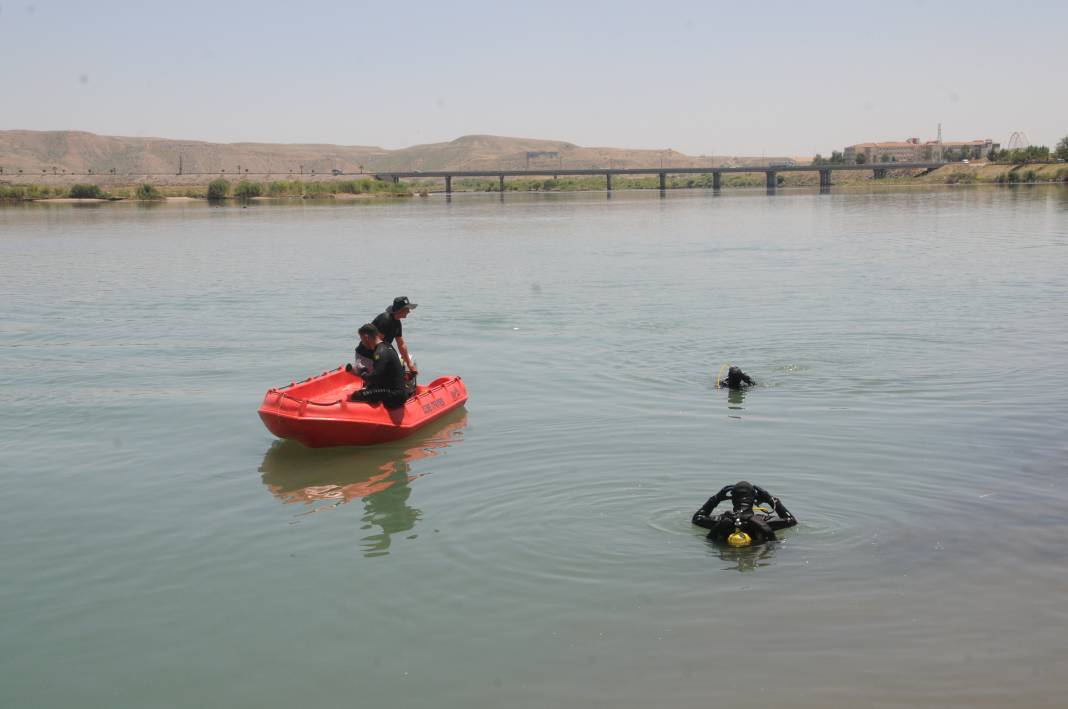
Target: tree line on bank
(1020, 156)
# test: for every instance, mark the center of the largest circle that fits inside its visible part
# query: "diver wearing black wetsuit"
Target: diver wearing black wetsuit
(736, 379)
(743, 525)
(385, 382)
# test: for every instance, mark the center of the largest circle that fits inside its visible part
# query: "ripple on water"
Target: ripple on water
(910, 412)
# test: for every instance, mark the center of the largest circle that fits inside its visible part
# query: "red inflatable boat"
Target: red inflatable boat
(317, 411)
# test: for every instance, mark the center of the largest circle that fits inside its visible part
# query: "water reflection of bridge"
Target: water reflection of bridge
(771, 172)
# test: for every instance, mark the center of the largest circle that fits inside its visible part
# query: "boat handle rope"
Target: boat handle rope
(305, 402)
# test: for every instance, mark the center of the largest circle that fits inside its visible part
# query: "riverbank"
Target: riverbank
(171, 187)
(155, 188)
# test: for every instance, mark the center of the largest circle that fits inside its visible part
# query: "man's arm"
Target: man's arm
(705, 521)
(374, 376)
(706, 509)
(786, 519)
(404, 354)
(393, 376)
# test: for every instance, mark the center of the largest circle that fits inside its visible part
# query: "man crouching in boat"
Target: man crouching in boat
(743, 526)
(385, 382)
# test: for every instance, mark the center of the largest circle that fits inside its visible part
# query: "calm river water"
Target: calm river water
(160, 548)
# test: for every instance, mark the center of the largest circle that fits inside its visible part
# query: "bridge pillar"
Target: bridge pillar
(501, 185)
(663, 181)
(771, 179)
(396, 180)
(608, 181)
(716, 178)
(448, 184)
(880, 173)
(825, 179)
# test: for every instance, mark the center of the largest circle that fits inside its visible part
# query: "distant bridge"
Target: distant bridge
(771, 172)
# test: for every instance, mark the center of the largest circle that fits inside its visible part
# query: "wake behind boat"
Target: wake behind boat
(318, 413)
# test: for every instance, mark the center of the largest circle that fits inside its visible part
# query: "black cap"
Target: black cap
(402, 302)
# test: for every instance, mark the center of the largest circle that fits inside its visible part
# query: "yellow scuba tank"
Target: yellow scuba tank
(738, 538)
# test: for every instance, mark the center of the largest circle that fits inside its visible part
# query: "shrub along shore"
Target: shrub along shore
(221, 189)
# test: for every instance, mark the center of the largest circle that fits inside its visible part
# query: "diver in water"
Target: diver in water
(743, 525)
(736, 379)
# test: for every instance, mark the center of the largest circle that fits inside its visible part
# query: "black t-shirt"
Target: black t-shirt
(389, 326)
(388, 372)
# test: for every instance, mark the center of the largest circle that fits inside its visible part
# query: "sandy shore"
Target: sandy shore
(72, 200)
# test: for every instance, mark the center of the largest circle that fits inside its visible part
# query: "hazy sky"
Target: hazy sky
(780, 78)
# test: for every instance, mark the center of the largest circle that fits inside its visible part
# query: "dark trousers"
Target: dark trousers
(392, 398)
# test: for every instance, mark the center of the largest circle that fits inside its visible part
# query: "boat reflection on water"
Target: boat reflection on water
(325, 478)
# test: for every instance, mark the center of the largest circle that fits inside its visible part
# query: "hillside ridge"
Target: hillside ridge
(81, 152)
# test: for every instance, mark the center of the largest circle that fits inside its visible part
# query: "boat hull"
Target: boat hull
(317, 412)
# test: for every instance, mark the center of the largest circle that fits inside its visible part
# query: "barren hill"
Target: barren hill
(77, 152)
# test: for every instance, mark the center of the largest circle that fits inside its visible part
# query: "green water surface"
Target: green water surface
(159, 548)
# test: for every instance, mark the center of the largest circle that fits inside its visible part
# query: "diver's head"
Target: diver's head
(734, 377)
(369, 335)
(742, 497)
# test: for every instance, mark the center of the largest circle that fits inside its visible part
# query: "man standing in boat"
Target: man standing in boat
(390, 326)
(385, 382)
